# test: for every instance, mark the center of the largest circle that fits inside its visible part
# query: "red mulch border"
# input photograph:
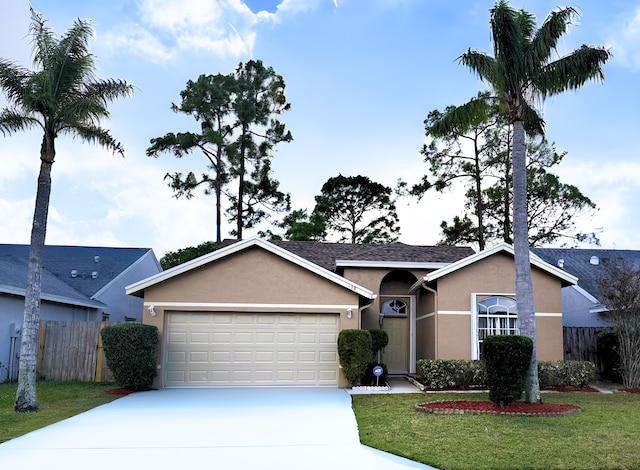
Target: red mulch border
(448, 407)
(629, 390)
(566, 388)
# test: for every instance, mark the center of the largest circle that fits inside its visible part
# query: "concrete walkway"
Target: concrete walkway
(222, 428)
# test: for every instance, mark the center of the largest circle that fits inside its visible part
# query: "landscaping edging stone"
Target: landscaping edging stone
(369, 388)
(449, 407)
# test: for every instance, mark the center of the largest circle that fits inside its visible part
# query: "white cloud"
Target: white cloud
(625, 42)
(168, 29)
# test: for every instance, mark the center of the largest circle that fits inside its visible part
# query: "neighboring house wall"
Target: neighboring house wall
(121, 306)
(577, 304)
(12, 313)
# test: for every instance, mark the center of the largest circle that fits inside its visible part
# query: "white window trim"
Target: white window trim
(473, 310)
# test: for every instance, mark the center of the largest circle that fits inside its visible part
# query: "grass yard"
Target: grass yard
(57, 401)
(604, 435)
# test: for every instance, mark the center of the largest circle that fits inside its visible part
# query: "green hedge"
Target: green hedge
(130, 350)
(354, 351)
(442, 374)
(461, 374)
(507, 358)
(566, 373)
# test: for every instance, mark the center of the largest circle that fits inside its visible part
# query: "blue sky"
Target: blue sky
(361, 76)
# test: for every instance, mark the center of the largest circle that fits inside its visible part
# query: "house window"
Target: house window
(394, 307)
(496, 316)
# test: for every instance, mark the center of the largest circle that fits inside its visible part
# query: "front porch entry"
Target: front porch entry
(398, 316)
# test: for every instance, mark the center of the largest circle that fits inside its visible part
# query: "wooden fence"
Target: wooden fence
(581, 344)
(71, 350)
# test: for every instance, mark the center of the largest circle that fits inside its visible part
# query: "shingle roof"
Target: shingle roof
(58, 263)
(577, 261)
(325, 254)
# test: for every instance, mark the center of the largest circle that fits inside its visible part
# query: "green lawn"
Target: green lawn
(605, 435)
(57, 401)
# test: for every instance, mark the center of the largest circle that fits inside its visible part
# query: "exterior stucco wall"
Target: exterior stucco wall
(495, 275)
(372, 279)
(253, 280)
(425, 325)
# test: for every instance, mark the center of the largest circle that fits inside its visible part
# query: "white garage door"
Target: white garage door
(233, 349)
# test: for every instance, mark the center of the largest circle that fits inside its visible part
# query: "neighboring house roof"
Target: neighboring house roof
(566, 278)
(71, 274)
(588, 265)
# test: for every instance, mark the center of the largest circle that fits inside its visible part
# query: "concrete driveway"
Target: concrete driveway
(222, 428)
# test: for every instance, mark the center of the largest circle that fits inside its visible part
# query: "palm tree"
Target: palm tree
(521, 74)
(60, 96)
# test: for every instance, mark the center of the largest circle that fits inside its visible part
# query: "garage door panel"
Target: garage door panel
(251, 349)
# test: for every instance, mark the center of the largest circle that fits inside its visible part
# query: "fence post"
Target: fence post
(99, 355)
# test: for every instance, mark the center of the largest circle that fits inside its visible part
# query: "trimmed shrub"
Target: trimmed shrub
(566, 373)
(130, 350)
(442, 374)
(354, 351)
(507, 358)
(379, 340)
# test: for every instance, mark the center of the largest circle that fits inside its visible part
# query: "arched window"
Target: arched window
(394, 307)
(496, 316)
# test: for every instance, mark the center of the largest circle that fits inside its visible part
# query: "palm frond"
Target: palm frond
(13, 79)
(508, 29)
(95, 135)
(44, 39)
(572, 71)
(12, 120)
(459, 119)
(533, 122)
(546, 37)
(484, 66)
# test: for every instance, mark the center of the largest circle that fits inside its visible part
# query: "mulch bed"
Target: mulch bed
(629, 390)
(570, 389)
(487, 407)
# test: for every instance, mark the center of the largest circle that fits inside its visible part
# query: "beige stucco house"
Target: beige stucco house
(268, 313)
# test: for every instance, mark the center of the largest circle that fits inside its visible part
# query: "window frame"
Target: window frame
(512, 313)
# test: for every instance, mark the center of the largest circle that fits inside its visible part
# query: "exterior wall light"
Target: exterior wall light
(349, 313)
(152, 312)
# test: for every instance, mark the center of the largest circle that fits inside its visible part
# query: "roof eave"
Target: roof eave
(137, 289)
(345, 263)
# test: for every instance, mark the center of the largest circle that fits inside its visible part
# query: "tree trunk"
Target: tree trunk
(479, 202)
(241, 172)
(524, 285)
(26, 393)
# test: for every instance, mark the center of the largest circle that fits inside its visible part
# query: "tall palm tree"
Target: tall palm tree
(521, 74)
(60, 96)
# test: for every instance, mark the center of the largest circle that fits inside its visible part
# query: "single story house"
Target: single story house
(260, 312)
(79, 283)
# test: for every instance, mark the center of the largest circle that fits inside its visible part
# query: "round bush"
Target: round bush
(130, 350)
(354, 351)
(507, 359)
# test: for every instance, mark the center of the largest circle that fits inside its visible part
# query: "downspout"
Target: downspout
(435, 314)
(361, 309)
